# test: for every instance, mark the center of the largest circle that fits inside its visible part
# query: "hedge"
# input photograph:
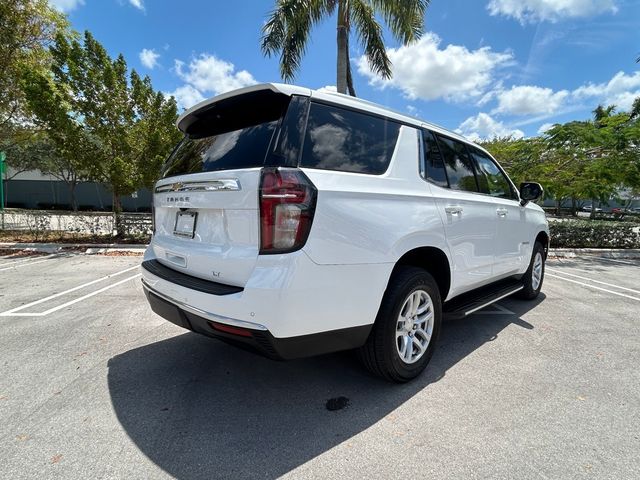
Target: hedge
(594, 234)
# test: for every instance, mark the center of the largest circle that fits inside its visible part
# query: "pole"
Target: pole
(2, 159)
(3, 156)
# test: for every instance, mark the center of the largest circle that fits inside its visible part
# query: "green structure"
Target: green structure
(2, 168)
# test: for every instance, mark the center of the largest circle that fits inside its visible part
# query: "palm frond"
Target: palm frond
(405, 18)
(287, 29)
(369, 32)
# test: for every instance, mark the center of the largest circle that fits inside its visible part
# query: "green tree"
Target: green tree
(28, 27)
(289, 25)
(111, 124)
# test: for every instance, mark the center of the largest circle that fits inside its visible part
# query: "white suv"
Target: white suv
(301, 222)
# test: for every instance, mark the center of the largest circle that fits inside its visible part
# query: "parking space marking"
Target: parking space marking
(594, 281)
(615, 261)
(594, 287)
(56, 295)
(24, 263)
(64, 305)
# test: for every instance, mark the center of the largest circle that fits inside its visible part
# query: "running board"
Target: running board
(475, 300)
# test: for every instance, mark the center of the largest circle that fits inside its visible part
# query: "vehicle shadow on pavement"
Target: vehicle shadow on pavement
(201, 409)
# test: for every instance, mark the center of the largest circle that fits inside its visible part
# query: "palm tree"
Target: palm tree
(288, 28)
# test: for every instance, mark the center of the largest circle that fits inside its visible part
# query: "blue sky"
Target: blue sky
(483, 67)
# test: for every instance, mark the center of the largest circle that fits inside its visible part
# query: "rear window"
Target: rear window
(244, 148)
(231, 133)
(348, 141)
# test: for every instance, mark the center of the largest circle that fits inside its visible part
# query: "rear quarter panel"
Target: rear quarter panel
(374, 218)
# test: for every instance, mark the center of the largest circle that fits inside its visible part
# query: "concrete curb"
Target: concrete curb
(89, 248)
(601, 252)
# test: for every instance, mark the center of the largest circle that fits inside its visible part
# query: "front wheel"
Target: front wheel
(407, 326)
(533, 277)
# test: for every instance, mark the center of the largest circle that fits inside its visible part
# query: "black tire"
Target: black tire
(380, 354)
(528, 292)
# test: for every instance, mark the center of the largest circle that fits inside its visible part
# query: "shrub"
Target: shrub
(594, 234)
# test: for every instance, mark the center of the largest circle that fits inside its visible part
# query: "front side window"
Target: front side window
(348, 141)
(490, 178)
(457, 164)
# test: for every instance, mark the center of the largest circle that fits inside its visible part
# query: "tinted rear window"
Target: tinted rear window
(244, 148)
(458, 165)
(434, 165)
(348, 141)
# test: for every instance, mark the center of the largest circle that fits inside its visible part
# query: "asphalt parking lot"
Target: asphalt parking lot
(94, 385)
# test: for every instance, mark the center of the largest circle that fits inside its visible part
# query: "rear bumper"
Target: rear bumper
(287, 295)
(253, 336)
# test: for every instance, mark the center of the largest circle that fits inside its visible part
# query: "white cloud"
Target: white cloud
(208, 73)
(138, 4)
(529, 100)
(186, 96)
(484, 127)
(424, 70)
(620, 91)
(66, 5)
(149, 58)
(544, 128)
(328, 88)
(550, 10)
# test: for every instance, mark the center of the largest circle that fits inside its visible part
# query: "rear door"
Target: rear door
(469, 218)
(206, 206)
(512, 247)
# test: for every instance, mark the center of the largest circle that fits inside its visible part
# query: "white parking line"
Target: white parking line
(594, 281)
(56, 295)
(593, 286)
(24, 263)
(64, 305)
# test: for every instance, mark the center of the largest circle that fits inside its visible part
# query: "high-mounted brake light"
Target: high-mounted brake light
(287, 205)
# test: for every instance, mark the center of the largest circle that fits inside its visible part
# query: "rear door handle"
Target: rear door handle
(502, 212)
(453, 210)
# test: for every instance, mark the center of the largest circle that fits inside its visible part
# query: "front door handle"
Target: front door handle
(453, 210)
(502, 212)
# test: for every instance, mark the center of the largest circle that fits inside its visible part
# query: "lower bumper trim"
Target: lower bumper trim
(261, 341)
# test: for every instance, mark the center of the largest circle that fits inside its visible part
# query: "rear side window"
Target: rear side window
(338, 139)
(490, 178)
(434, 165)
(457, 164)
(244, 148)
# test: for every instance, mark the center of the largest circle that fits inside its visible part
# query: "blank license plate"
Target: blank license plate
(185, 224)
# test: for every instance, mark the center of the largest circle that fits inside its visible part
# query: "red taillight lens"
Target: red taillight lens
(287, 205)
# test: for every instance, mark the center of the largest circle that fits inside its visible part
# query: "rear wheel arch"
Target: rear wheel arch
(434, 261)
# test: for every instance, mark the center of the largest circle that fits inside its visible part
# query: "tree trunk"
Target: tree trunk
(343, 51)
(592, 215)
(72, 194)
(558, 202)
(117, 215)
(351, 89)
(574, 208)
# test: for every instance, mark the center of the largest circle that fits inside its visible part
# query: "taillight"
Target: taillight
(287, 205)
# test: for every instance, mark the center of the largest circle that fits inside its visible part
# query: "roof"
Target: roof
(331, 97)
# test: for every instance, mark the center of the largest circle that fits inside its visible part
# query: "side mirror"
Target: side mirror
(529, 192)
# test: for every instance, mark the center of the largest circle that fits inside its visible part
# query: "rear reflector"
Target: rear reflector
(287, 205)
(242, 332)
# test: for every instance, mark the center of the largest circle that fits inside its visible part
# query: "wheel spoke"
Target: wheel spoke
(418, 344)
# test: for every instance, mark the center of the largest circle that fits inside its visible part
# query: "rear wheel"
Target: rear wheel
(533, 277)
(407, 326)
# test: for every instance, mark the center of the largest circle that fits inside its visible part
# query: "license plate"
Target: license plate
(185, 224)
